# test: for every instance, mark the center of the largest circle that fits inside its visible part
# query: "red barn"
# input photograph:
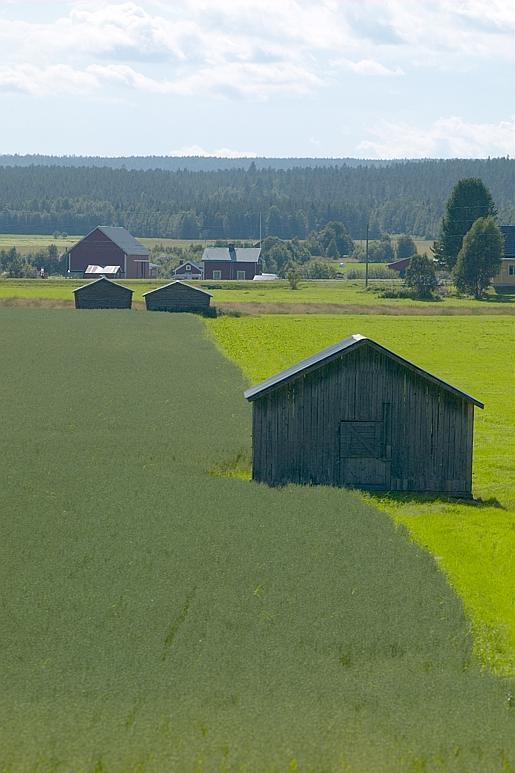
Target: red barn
(231, 262)
(111, 246)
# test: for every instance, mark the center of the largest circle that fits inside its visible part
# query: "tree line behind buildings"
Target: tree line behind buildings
(241, 203)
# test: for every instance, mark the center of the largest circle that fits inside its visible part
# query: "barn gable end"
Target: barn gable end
(358, 415)
(178, 296)
(103, 294)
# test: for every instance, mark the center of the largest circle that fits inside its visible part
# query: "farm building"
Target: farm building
(103, 294)
(401, 266)
(231, 262)
(109, 245)
(188, 270)
(360, 416)
(505, 279)
(178, 296)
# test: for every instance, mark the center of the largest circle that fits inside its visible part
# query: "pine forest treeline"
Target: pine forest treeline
(401, 197)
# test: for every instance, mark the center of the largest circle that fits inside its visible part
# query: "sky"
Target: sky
(326, 78)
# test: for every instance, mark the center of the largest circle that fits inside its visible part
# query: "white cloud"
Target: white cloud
(249, 48)
(450, 137)
(369, 67)
(197, 150)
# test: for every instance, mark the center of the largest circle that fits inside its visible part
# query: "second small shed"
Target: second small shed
(103, 294)
(178, 296)
(358, 415)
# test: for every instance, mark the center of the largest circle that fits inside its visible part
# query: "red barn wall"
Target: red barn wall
(95, 249)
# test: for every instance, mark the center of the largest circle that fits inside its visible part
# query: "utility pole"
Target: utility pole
(260, 230)
(366, 260)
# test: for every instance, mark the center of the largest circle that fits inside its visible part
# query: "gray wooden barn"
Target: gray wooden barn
(103, 294)
(358, 415)
(178, 296)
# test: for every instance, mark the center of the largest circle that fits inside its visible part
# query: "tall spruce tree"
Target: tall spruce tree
(470, 199)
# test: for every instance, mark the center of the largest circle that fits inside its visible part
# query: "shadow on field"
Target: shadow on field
(399, 497)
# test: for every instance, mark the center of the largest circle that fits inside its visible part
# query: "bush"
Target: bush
(421, 276)
(373, 273)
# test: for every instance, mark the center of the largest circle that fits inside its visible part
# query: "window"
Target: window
(240, 275)
(511, 269)
(188, 267)
(217, 274)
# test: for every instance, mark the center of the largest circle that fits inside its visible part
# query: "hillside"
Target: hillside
(155, 616)
(402, 197)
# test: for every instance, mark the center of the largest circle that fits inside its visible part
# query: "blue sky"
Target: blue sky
(389, 79)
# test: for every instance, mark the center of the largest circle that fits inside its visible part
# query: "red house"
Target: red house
(231, 262)
(188, 270)
(111, 246)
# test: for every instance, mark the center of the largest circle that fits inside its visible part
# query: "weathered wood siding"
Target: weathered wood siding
(364, 421)
(177, 297)
(103, 295)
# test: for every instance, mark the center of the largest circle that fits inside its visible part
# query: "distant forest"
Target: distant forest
(394, 197)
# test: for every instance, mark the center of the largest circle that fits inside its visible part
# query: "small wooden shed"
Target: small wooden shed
(178, 296)
(103, 294)
(357, 415)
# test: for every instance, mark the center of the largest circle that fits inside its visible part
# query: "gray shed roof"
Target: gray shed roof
(243, 254)
(508, 231)
(332, 352)
(103, 279)
(177, 282)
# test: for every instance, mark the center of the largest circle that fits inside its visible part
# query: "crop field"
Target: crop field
(474, 544)
(26, 243)
(156, 616)
(343, 296)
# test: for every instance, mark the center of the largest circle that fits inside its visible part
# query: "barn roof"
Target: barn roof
(177, 282)
(399, 265)
(103, 279)
(124, 240)
(508, 231)
(243, 254)
(351, 343)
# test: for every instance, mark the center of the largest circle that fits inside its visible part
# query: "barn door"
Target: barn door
(365, 453)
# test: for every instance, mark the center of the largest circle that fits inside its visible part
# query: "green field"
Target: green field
(26, 243)
(155, 616)
(312, 296)
(475, 544)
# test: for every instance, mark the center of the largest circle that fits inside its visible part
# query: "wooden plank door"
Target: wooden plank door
(365, 453)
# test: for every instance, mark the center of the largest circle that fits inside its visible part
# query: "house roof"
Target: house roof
(189, 263)
(508, 231)
(177, 282)
(243, 254)
(351, 343)
(103, 279)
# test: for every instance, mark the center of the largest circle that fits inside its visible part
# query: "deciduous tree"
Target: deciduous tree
(480, 257)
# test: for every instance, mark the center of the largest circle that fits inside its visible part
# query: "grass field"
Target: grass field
(26, 243)
(474, 544)
(157, 617)
(312, 296)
